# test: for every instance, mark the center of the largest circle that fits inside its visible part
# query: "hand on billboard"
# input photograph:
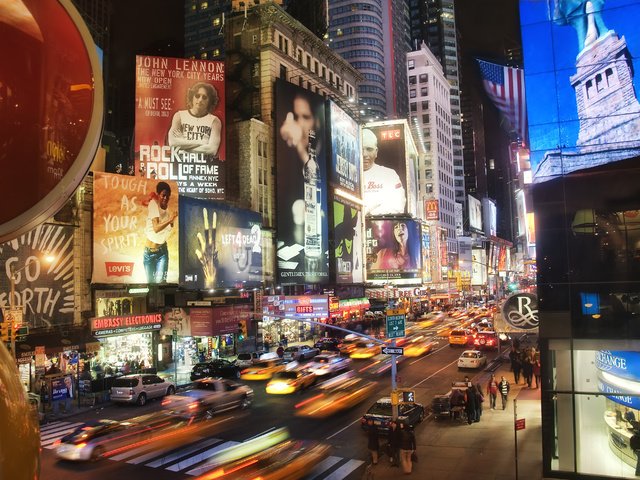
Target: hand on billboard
(207, 253)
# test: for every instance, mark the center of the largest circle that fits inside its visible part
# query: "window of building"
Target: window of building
(204, 55)
(308, 61)
(204, 5)
(413, 106)
(412, 80)
(331, 78)
(324, 72)
(425, 105)
(411, 64)
(425, 118)
(412, 93)
(424, 91)
(316, 68)
(216, 52)
(283, 72)
(424, 78)
(216, 21)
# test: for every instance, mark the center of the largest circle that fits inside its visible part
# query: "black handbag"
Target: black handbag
(414, 457)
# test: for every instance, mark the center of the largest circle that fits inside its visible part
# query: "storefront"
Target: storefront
(271, 330)
(127, 343)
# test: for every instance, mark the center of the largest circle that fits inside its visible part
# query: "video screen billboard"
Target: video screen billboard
(393, 250)
(303, 240)
(347, 240)
(475, 213)
(346, 165)
(426, 255)
(179, 131)
(220, 245)
(384, 162)
(580, 81)
(46, 290)
(135, 229)
(490, 216)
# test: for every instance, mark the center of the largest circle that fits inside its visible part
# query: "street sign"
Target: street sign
(520, 424)
(395, 324)
(393, 350)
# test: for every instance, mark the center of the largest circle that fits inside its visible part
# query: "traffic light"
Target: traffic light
(242, 329)
(5, 331)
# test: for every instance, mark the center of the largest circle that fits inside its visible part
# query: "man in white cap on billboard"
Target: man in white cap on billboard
(383, 190)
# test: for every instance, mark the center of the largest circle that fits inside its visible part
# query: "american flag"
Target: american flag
(505, 87)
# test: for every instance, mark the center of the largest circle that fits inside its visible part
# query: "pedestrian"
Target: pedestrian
(373, 441)
(516, 364)
(407, 447)
(492, 390)
(527, 370)
(536, 372)
(634, 444)
(470, 405)
(457, 402)
(479, 401)
(504, 388)
(394, 443)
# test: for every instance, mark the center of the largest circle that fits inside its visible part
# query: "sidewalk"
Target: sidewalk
(452, 450)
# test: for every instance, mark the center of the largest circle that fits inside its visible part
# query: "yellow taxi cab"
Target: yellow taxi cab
(290, 381)
(459, 337)
(417, 346)
(363, 350)
(336, 395)
(263, 370)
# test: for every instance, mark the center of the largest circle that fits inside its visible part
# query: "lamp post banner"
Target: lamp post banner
(520, 311)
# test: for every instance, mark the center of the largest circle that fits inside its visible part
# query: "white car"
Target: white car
(327, 364)
(299, 352)
(472, 359)
(246, 359)
(209, 396)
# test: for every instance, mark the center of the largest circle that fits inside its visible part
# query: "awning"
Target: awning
(57, 341)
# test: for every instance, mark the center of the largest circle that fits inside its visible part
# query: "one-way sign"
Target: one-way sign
(393, 350)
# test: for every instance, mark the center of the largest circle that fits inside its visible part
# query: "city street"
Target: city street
(428, 375)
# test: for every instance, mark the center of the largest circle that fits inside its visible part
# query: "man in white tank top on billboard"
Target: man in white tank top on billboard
(196, 129)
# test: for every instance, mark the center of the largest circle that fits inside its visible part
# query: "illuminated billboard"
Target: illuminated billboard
(393, 250)
(479, 267)
(179, 131)
(220, 245)
(489, 214)
(346, 165)
(475, 214)
(581, 83)
(135, 229)
(426, 255)
(384, 160)
(301, 159)
(306, 306)
(347, 240)
(46, 290)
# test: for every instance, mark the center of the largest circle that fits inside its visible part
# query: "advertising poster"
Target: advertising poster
(431, 209)
(385, 169)
(346, 167)
(426, 255)
(479, 267)
(348, 241)
(221, 245)
(489, 214)
(582, 83)
(179, 131)
(412, 175)
(475, 213)
(303, 240)
(135, 229)
(204, 321)
(42, 260)
(61, 388)
(393, 250)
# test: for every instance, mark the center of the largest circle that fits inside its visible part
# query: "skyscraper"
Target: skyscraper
(374, 37)
(434, 22)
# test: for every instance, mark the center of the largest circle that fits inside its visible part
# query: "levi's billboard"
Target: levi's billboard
(135, 229)
(179, 132)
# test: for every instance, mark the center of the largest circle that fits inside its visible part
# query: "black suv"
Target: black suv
(215, 368)
(328, 344)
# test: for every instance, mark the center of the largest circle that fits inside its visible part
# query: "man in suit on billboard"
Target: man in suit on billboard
(384, 193)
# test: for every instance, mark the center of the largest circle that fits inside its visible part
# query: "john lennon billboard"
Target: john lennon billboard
(580, 62)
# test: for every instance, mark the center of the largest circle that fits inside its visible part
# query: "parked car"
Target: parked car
(139, 388)
(459, 338)
(380, 412)
(244, 360)
(209, 396)
(472, 359)
(328, 344)
(299, 352)
(290, 381)
(328, 364)
(218, 367)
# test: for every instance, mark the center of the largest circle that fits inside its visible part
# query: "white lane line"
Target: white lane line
(150, 455)
(182, 453)
(324, 465)
(343, 429)
(199, 458)
(427, 356)
(435, 373)
(344, 470)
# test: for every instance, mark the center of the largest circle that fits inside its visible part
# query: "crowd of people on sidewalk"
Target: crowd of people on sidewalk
(525, 363)
(400, 447)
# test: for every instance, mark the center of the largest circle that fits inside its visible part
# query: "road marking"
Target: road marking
(430, 355)
(182, 453)
(199, 458)
(344, 470)
(324, 465)
(435, 373)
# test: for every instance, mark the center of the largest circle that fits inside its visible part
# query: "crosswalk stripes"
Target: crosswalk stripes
(188, 459)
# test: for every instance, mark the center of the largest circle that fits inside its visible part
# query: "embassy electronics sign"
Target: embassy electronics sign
(104, 326)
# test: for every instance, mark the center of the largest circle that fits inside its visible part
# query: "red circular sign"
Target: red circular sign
(50, 109)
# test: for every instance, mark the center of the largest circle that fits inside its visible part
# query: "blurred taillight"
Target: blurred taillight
(131, 392)
(81, 445)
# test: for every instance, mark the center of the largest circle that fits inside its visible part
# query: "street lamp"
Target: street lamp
(15, 311)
